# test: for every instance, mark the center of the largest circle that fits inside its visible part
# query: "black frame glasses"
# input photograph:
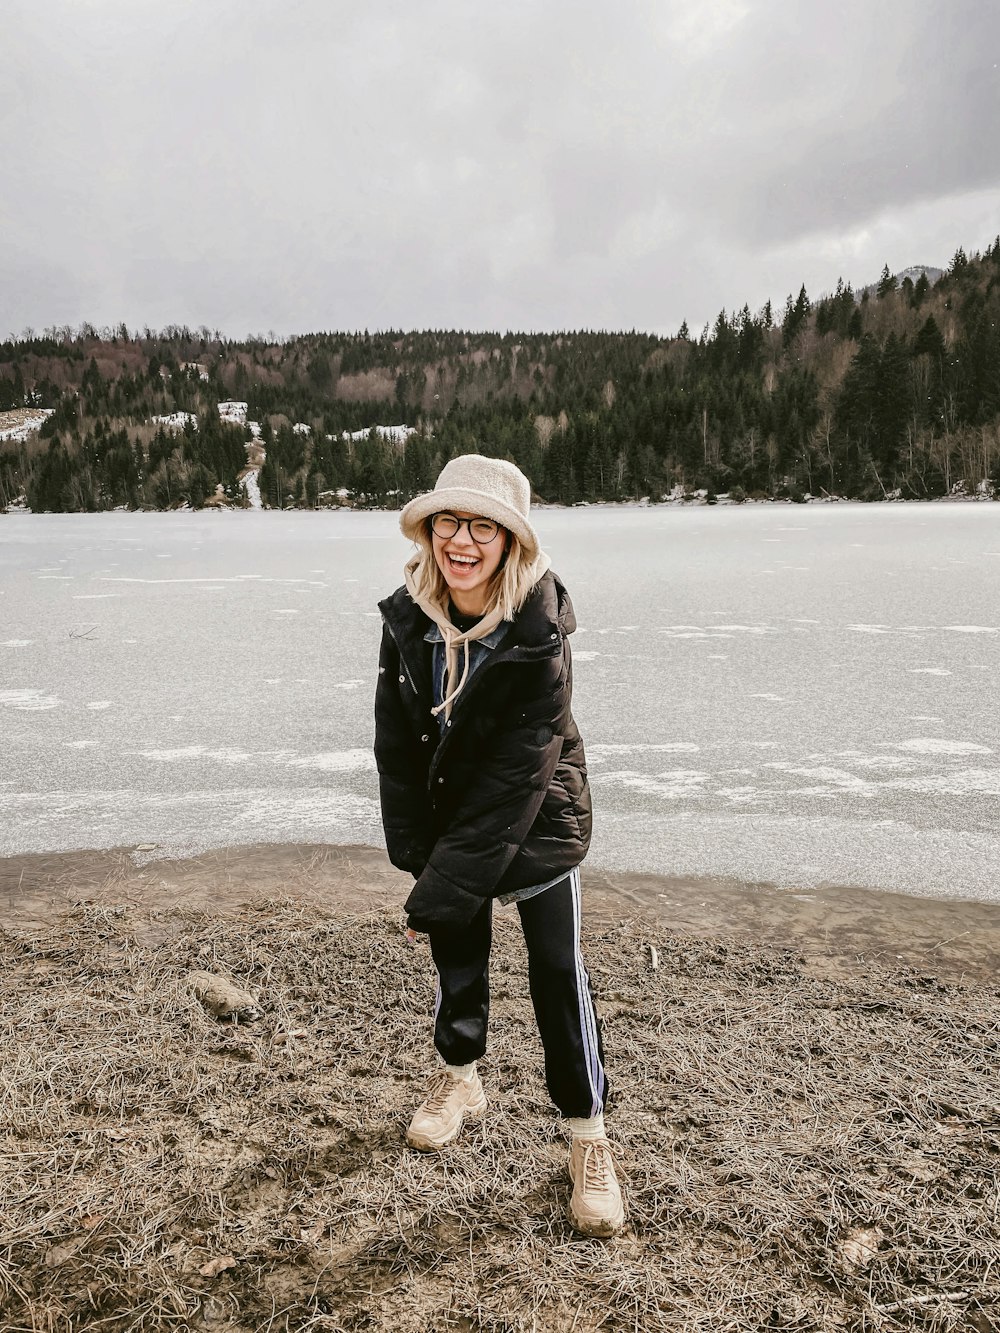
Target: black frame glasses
(446, 519)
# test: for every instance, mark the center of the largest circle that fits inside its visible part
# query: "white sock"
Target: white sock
(464, 1072)
(582, 1127)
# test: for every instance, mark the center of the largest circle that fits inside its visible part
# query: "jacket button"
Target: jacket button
(553, 636)
(440, 780)
(448, 723)
(425, 738)
(402, 679)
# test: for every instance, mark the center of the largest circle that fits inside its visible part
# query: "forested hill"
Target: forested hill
(891, 392)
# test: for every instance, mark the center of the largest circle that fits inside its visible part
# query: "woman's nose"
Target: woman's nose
(463, 536)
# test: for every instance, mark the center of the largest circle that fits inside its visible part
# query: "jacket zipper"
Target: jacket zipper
(402, 660)
(461, 702)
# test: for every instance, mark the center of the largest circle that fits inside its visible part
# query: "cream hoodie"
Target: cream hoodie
(454, 639)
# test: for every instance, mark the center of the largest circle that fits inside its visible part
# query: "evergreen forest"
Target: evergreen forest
(888, 393)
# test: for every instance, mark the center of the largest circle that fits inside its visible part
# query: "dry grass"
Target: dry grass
(803, 1152)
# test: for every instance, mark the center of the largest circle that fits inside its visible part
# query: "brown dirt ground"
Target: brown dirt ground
(806, 1106)
(833, 926)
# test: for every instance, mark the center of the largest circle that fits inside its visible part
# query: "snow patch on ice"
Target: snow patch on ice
(337, 761)
(222, 756)
(890, 761)
(837, 776)
(672, 786)
(28, 701)
(16, 643)
(932, 745)
(598, 753)
(966, 782)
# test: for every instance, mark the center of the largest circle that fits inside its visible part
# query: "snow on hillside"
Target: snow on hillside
(914, 274)
(19, 423)
(176, 420)
(233, 412)
(396, 434)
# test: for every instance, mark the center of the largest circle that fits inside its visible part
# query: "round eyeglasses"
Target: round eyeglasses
(481, 530)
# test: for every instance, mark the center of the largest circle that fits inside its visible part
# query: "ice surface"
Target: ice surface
(846, 733)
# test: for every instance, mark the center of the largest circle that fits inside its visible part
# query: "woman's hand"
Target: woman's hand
(413, 928)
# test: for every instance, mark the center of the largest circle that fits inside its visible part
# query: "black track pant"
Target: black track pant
(560, 993)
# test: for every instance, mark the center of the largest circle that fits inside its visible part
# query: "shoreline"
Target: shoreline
(833, 927)
(697, 501)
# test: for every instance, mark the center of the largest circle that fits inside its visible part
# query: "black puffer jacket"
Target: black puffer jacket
(500, 801)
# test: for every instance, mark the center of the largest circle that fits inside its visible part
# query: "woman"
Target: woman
(484, 796)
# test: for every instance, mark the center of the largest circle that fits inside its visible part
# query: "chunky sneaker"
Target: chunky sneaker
(439, 1117)
(596, 1207)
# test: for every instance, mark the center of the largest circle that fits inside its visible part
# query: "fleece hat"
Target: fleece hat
(486, 487)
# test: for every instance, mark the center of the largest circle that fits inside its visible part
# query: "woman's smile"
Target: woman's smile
(468, 565)
(462, 564)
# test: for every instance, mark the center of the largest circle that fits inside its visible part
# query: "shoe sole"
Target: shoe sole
(596, 1228)
(471, 1112)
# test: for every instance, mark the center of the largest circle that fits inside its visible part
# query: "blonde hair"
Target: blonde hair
(509, 588)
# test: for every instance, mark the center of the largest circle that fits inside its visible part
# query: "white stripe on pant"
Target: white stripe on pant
(560, 992)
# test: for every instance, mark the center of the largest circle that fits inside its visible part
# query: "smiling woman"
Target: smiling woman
(483, 784)
(468, 550)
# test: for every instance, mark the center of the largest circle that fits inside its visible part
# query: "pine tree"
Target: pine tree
(795, 317)
(886, 284)
(929, 341)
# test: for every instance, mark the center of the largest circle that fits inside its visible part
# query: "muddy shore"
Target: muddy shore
(805, 1109)
(835, 926)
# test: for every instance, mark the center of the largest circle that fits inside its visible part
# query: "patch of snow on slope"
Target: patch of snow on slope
(395, 434)
(19, 423)
(176, 420)
(233, 412)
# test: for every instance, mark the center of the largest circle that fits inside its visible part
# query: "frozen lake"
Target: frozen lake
(798, 695)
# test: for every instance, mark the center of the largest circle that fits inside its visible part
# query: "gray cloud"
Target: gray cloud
(318, 165)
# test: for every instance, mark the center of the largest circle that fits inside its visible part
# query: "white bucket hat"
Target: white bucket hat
(486, 487)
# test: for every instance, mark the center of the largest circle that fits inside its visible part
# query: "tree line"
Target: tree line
(889, 392)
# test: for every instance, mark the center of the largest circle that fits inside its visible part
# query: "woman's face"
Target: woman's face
(468, 565)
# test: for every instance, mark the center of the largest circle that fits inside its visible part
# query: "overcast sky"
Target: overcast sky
(257, 165)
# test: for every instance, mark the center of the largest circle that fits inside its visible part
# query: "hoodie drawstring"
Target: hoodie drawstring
(451, 669)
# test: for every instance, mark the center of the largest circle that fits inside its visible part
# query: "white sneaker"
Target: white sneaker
(596, 1208)
(439, 1117)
